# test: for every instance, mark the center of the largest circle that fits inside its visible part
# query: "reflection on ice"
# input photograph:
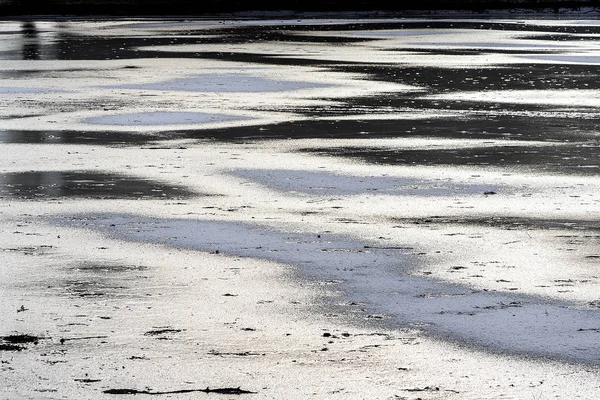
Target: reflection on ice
(45, 185)
(76, 137)
(565, 158)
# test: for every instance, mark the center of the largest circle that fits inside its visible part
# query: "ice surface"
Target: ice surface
(437, 233)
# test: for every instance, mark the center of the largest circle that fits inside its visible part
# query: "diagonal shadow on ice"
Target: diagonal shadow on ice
(224, 82)
(320, 183)
(380, 277)
(160, 118)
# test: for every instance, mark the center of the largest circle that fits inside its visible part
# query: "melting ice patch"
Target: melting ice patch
(161, 118)
(225, 82)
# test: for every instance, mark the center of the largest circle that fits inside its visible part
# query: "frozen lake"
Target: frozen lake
(175, 192)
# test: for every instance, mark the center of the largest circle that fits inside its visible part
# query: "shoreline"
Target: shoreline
(104, 13)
